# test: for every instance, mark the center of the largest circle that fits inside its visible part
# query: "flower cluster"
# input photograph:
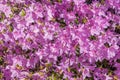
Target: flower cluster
(59, 39)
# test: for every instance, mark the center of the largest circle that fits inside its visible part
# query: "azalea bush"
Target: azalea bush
(59, 39)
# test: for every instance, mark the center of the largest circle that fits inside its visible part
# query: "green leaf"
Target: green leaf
(2, 16)
(15, 10)
(102, 1)
(84, 20)
(105, 63)
(98, 63)
(92, 37)
(22, 13)
(77, 50)
(48, 65)
(60, 1)
(89, 78)
(1, 61)
(11, 15)
(1, 75)
(55, 76)
(117, 29)
(61, 22)
(76, 21)
(10, 27)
